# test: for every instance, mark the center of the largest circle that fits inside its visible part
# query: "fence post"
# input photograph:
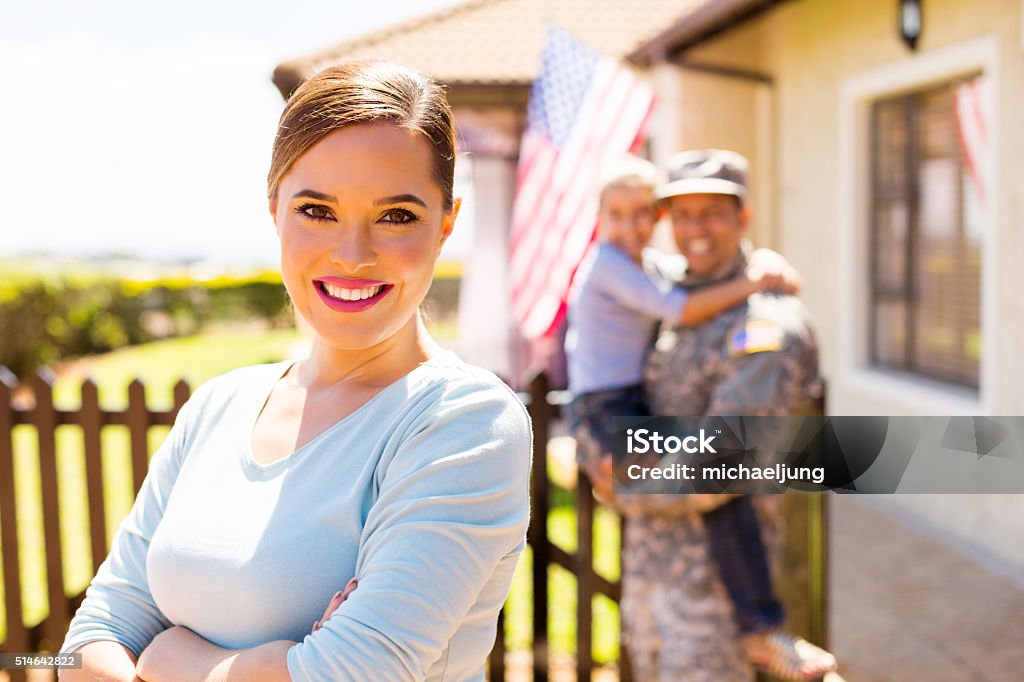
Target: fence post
(92, 421)
(45, 418)
(181, 393)
(537, 534)
(625, 667)
(584, 561)
(138, 428)
(17, 634)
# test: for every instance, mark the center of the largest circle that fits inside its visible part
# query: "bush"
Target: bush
(46, 320)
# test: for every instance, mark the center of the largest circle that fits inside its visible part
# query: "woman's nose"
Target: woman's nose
(352, 249)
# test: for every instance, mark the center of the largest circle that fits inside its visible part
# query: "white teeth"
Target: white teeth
(351, 294)
(700, 245)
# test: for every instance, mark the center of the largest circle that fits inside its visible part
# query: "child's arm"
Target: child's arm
(767, 271)
(628, 284)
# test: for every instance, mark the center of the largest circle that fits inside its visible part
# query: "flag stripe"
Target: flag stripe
(585, 111)
(559, 257)
(583, 169)
(972, 129)
(562, 262)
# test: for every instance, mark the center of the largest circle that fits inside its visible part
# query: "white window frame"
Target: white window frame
(893, 391)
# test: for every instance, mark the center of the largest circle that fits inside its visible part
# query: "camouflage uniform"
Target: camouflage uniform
(759, 358)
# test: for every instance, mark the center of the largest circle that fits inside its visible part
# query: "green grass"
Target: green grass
(160, 365)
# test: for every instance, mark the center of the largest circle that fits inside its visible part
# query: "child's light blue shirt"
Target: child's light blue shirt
(614, 310)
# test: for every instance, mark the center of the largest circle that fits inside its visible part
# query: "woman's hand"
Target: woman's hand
(336, 601)
(771, 272)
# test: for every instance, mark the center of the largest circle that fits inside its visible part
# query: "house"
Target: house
(885, 166)
(890, 176)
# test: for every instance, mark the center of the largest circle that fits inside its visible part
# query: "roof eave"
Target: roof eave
(696, 27)
(290, 75)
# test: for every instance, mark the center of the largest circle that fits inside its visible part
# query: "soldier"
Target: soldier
(759, 358)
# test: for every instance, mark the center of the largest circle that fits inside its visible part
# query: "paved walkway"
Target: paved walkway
(905, 607)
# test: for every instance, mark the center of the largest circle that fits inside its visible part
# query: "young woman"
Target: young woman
(380, 461)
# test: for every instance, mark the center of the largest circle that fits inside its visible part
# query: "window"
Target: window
(926, 241)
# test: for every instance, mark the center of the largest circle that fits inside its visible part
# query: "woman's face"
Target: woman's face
(361, 222)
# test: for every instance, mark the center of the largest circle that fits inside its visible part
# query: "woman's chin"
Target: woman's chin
(359, 335)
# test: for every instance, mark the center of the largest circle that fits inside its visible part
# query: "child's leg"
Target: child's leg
(590, 420)
(734, 537)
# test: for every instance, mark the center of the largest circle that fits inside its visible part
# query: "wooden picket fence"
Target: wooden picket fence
(32, 404)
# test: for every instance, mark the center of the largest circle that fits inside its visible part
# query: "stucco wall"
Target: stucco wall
(815, 50)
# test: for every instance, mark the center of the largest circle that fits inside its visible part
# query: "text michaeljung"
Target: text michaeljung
(725, 472)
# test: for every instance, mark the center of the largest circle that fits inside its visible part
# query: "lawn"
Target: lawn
(160, 365)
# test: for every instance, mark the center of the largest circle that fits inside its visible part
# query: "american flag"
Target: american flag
(972, 123)
(585, 111)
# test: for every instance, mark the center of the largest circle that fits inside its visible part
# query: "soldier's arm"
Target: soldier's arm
(775, 371)
(667, 504)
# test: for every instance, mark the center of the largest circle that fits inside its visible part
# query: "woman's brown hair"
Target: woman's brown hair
(365, 91)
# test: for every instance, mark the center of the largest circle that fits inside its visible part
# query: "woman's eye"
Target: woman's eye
(399, 216)
(315, 212)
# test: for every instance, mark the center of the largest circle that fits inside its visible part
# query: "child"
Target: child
(619, 298)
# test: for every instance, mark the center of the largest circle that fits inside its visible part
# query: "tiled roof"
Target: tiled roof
(498, 42)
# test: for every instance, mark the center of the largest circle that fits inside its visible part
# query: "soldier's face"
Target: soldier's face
(627, 218)
(708, 229)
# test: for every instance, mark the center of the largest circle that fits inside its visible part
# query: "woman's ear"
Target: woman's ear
(448, 222)
(272, 206)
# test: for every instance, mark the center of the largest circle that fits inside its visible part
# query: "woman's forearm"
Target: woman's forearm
(102, 662)
(265, 663)
(180, 655)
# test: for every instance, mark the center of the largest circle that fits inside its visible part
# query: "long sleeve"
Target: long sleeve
(118, 604)
(776, 382)
(438, 547)
(627, 284)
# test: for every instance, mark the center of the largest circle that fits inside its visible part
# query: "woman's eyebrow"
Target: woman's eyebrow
(400, 199)
(313, 194)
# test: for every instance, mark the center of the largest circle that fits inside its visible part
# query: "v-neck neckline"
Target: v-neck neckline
(263, 398)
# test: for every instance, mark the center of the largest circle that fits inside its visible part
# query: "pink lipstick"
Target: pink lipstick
(350, 295)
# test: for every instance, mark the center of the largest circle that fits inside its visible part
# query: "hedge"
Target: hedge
(44, 320)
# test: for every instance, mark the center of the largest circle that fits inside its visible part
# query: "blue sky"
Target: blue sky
(145, 127)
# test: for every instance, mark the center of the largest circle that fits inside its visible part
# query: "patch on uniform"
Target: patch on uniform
(756, 337)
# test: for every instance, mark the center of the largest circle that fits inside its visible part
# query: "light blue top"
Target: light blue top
(422, 494)
(614, 309)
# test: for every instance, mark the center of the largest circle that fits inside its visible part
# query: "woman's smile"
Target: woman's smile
(350, 295)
